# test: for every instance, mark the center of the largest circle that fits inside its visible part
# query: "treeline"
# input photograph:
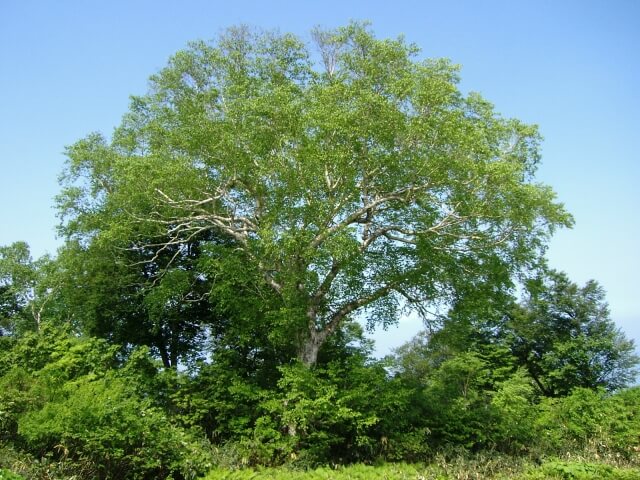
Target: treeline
(257, 209)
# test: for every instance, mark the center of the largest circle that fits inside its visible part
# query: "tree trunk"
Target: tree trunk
(164, 355)
(173, 353)
(308, 351)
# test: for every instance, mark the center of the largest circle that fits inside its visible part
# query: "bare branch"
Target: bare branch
(349, 307)
(325, 286)
(356, 215)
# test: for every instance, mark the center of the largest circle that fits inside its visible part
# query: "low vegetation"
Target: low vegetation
(465, 469)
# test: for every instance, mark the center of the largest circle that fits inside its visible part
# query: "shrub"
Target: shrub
(7, 475)
(581, 471)
(103, 422)
(592, 421)
(622, 423)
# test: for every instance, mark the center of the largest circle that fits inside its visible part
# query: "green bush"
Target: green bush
(581, 471)
(575, 421)
(7, 475)
(104, 423)
(592, 421)
(341, 412)
(513, 430)
(622, 423)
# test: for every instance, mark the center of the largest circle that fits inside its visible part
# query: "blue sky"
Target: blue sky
(572, 67)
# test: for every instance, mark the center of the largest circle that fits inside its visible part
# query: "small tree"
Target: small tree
(564, 336)
(24, 292)
(367, 185)
(560, 333)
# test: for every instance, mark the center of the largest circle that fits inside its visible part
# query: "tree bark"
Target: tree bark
(308, 351)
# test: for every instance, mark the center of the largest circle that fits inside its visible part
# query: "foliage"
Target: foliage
(24, 291)
(363, 472)
(311, 416)
(560, 333)
(116, 294)
(71, 401)
(581, 471)
(226, 248)
(102, 422)
(89, 411)
(468, 407)
(366, 184)
(7, 475)
(592, 421)
(566, 339)
(623, 423)
(479, 391)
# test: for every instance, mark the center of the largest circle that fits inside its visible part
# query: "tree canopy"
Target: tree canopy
(348, 179)
(565, 337)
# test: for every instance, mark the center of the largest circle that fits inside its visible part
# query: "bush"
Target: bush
(592, 421)
(581, 471)
(7, 475)
(622, 424)
(104, 423)
(78, 411)
(512, 402)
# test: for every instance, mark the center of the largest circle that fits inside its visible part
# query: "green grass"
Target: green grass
(354, 472)
(483, 468)
(461, 469)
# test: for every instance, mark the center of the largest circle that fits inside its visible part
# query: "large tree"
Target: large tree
(349, 179)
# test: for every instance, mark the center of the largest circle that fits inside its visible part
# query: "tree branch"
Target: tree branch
(353, 305)
(356, 216)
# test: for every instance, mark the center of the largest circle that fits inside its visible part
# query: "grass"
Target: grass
(442, 469)
(457, 469)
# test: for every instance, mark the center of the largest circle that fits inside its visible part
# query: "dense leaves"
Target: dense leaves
(24, 288)
(71, 397)
(564, 336)
(250, 217)
(368, 184)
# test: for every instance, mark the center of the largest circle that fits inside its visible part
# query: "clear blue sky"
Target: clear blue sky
(572, 67)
